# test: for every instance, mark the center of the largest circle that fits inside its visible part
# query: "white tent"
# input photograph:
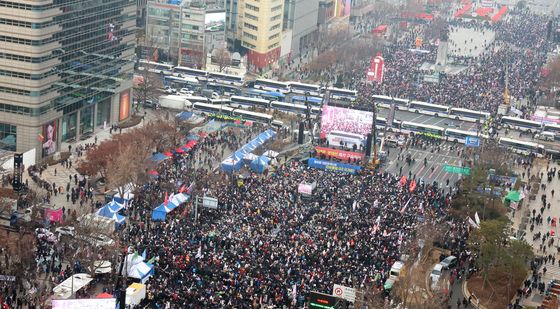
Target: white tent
(71, 285)
(136, 268)
(102, 267)
(179, 198)
(271, 154)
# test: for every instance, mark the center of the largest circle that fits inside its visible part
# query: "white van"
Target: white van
(394, 274)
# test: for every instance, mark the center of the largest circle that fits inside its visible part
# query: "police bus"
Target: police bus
(520, 124)
(272, 85)
(386, 101)
(426, 129)
(239, 101)
(521, 147)
(428, 108)
(215, 109)
(253, 116)
(468, 115)
(302, 88)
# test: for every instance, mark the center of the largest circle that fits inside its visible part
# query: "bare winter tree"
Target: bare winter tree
(222, 58)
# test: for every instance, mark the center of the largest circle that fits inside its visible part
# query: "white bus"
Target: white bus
(210, 108)
(468, 114)
(239, 101)
(186, 71)
(155, 67)
(428, 108)
(342, 94)
(553, 128)
(181, 82)
(220, 101)
(521, 124)
(411, 127)
(253, 116)
(196, 99)
(460, 136)
(301, 88)
(294, 108)
(346, 140)
(298, 99)
(521, 147)
(272, 85)
(227, 79)
(386, 101)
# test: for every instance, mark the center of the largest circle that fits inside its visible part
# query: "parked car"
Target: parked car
(449, 262)
(436, 274)
(150, 103)
(65, 230)
(170, 90)
(186, 91)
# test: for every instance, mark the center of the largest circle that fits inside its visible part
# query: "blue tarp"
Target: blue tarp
(259, 164)
(235, 161)
(184, 116)
(158, 157)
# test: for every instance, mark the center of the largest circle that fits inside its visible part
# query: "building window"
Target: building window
(250, 36)
(276, 8)
(252, 27)
(8, 137)
(275, 27)
(251, 7)
(251, 17)
(277, 17)
(272, 37)
(248, 45)
(273, 45)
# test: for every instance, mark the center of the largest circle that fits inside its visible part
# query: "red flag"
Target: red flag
(182, 189)
(403, 181)
(189, 189)
(412, 186)
(553, 222)
(166, 199)
(552, 233)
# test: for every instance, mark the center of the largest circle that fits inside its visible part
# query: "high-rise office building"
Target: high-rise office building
(65, 70)
(300, 16)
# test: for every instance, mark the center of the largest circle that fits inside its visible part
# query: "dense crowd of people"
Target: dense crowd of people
(269, 245)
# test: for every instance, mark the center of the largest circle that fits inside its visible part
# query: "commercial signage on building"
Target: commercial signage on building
(339, 154)
(48, 138)
(333, 166)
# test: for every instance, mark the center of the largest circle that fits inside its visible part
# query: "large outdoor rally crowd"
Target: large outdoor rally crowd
(269, 245)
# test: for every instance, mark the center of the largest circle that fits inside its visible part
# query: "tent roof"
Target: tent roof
(69, 286)
(158, 157)
(514, 196)
(104, 295)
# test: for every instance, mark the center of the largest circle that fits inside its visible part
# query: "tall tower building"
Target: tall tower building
(259, 28)
(65, 70)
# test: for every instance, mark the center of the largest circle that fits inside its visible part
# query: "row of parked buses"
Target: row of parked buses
(191, 75)
(431, 109)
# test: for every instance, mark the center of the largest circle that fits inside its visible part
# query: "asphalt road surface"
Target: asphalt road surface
(432, 171)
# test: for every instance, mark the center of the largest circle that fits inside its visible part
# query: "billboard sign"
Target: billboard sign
(320, 300)
(306, 188)
(105, 303)
(472, 141)
(124, 109)
(333, 166)
(210, 202)
(346, 120)
(339, 154)
(48, 138)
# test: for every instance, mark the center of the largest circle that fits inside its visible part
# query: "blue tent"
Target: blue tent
(158, 157)
(109, 209)
(160, 212)
(259, 164)
(235, 161)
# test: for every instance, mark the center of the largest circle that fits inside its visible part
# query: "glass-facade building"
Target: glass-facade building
(65, 70)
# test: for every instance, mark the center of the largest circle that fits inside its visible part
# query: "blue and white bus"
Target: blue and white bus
(253, 116)
(210, 108)
(460, 136)
(468, 114)
(239, 101)
(226, 79)
(522, 147)
(272, 85)
(428, 108)
(552, 128)
(267, 95)
(316, 101)
(294, 108)
(342, 94)
(190, 72)
(223, 89)
(181, 82)
(155, 67)
(301, 88)
(386, 101)
(412, 127)
(520, 124)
